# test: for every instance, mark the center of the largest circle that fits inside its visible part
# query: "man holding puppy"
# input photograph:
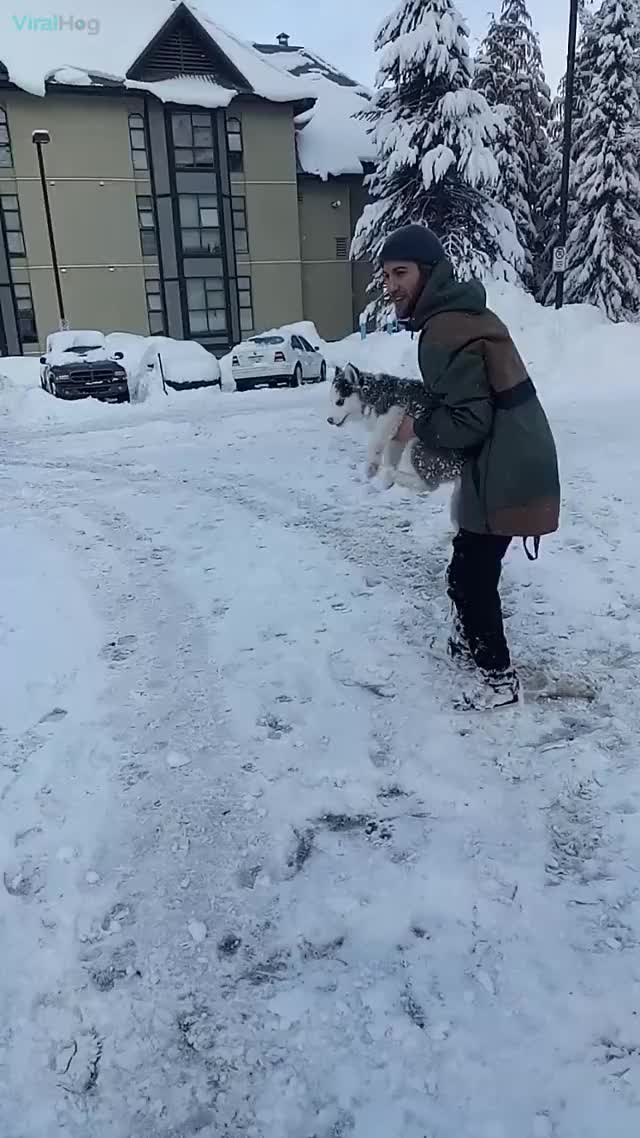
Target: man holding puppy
(480, 400)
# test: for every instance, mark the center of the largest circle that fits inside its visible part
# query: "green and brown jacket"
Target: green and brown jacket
(483, 402)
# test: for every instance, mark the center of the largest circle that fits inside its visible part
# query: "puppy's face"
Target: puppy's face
(346, 396)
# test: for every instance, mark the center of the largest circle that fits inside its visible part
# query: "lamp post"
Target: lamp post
(41, 138)
(560, 252)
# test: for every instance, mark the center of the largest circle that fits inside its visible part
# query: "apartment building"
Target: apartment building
(206, 188)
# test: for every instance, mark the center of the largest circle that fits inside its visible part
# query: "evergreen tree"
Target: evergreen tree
(603, 249)
(436, 143)
(551, 175)
(510, 72)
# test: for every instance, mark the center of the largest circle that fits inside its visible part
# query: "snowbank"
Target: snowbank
(570, 354)
(184, 362)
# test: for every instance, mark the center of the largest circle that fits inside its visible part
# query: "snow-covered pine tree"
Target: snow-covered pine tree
(603, 249)
(510, 72)
(436, 143)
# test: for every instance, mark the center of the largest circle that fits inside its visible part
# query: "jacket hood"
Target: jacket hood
(443, 293)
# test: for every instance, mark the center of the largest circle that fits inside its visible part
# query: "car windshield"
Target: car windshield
(267, 340)
(83, 348)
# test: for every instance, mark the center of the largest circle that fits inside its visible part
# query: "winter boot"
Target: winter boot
(492, 691)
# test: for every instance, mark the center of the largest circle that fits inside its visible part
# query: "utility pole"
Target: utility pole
(560, 251)
(41, 138)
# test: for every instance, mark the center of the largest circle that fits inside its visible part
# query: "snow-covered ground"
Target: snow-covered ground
(259, 879)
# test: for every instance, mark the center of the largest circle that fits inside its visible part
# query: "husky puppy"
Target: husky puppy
(382, 401)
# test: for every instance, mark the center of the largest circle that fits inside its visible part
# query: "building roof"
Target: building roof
(114, 40)
(177, 51)
(330, 140)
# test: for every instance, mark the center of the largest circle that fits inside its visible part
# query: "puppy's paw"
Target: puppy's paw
(372, 469)
(387, 478)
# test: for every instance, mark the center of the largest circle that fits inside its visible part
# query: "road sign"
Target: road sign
(560, 259)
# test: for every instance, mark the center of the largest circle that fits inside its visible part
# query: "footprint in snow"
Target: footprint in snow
(23, 881)
(54, 716)
(118, 650)
(275, 726)
(120, 965)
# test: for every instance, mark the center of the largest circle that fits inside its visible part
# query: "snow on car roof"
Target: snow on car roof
(103, 47)
(76, 338)
(331, 141)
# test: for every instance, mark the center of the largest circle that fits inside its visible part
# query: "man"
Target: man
(480, 400)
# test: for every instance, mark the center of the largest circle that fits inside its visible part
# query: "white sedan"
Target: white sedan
(276, 358)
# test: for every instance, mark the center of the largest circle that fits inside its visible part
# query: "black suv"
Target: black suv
(77, 365)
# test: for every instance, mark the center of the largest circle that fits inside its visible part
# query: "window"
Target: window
(13, 224)
(192, 140)
(199, 224)
(235, 147)
(26, 315)
(6, 158)
(147, 223)
(245, 300)
(295, 343)
(138, 143)
(206, 304)
(239, 207)
(342, 249)
(155, 306)
(306, 345)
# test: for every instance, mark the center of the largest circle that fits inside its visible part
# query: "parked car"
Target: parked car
(78, 365)
(184, 364)
(276, 358)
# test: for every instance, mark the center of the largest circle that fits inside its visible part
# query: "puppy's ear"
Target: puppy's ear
(339, 374)
(353, 375)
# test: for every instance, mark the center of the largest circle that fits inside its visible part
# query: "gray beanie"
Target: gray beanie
(413, 243)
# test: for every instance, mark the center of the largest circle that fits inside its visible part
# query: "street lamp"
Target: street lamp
(560, 252)
(41, 138)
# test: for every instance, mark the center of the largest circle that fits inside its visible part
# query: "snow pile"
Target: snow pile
(568, 353)
(334, 142)
(61, 347)
(185, 364)
(331, 140)
(108, 45)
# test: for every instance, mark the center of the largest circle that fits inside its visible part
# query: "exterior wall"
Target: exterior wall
(271, 188)
(292, 222)
(324, 212)
(93, 204)
(334, 288)
(361, 270)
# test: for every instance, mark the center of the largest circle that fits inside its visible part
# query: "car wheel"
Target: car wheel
(242, 386)
(296, 379)
(323, 372)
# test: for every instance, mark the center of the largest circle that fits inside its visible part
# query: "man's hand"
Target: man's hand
(406, 431)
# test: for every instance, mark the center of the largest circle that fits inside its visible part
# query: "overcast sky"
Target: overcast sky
(343, 32)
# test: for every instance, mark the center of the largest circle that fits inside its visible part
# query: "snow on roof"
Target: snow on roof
(34, 50)
(190, 90)
(330, 140)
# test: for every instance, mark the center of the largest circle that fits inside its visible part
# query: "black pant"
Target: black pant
(473, 578)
